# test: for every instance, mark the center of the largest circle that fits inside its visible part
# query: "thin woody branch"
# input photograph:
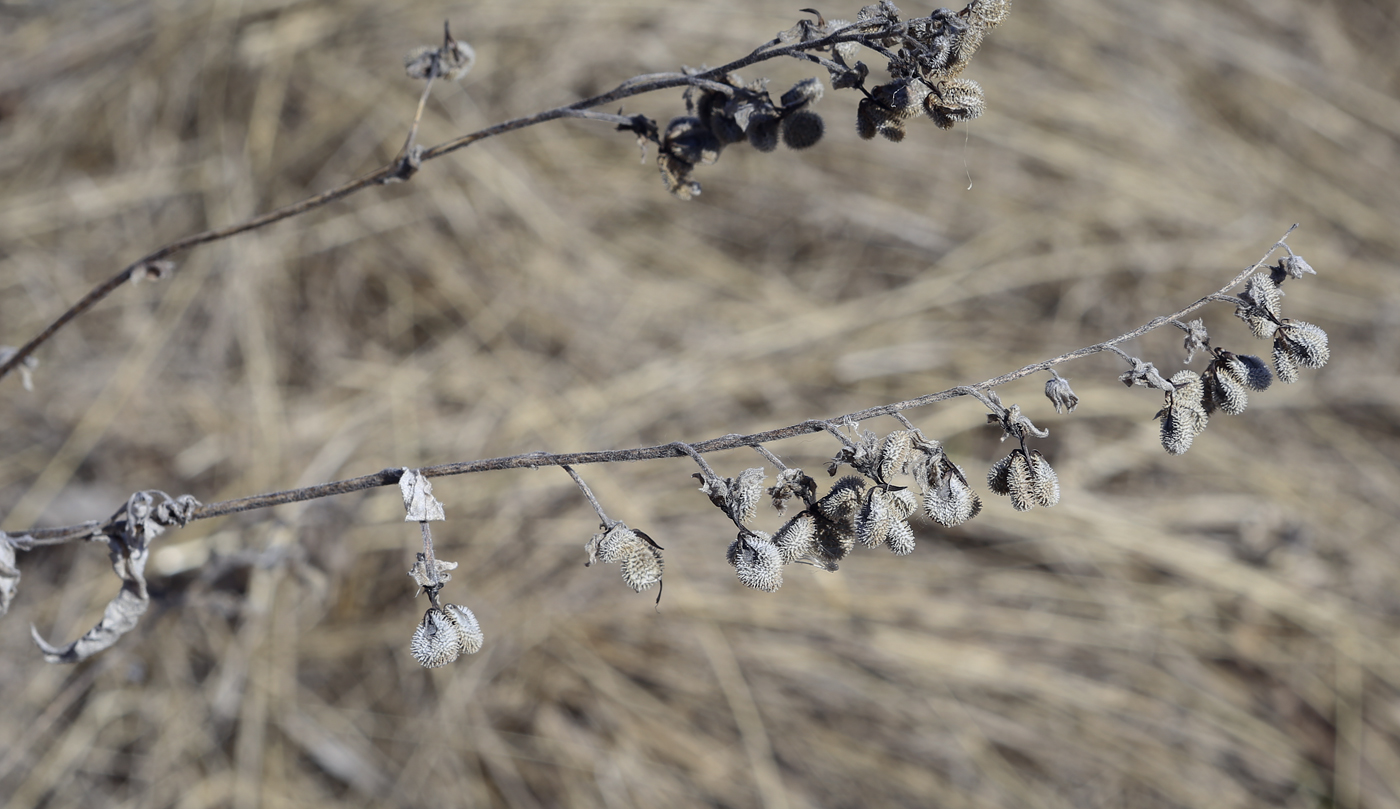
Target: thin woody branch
(98, 530)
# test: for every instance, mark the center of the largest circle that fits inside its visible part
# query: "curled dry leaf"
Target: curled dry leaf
(418, 500)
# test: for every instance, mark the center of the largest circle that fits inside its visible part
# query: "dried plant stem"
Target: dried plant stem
(407, 163)
(588, 493)
(95, 529)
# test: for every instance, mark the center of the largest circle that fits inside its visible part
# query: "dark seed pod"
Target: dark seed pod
(802, 94)
(835, 541)
(675, 173)
(763, 134)
(954, 100)
(1253, 370)
(688, 139)
(803, 129)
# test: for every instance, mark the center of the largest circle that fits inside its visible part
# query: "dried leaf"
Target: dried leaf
(418, 498)
(9, 573)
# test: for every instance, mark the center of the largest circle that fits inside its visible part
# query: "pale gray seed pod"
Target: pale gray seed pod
(642, 566)
(951, 502)
(617, 543)
(759, 563)
(796, 538)
(894, 454)
(901, 538)
(744, 493)
(468, 626)
(1285, 363)
(437, 641)
(990, 12)
(1259, 325)
(1225, 389)
(902, 503)
(997, 476)
(1045, 489)
(1306, 342)
(1189, 391)
(802, 94)
(802, 129)
(1261, 290)
(875, 518)
(1178, 430)
(843, 501)
(1019, 483)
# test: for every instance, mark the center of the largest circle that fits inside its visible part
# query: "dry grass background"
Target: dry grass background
(1215, 630)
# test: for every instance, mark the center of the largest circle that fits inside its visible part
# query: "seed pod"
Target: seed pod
(758, 563)
(901, 538)
(1045, 488)
(875, 518)
(835, 541)
(803, 94)
(763, 133)
(1306, 342)
(796, 538)
(688, 139)
(843, 501)
(641, 566)
(617, 543)
(997, 476)
(954, 100)
(675, 174)
(1261, 290)
(1253, 370)
(437, 641)
(802, 129)
(468, 626)
(950, 501)
(894, 454)
(1184, 416)
(1019, 481)
(744, 493)
(1224, 389)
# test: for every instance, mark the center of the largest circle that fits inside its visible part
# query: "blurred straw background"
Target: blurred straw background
(1219, 629)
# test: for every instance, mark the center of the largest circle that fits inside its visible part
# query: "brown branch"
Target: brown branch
(407, 163)
(388, 477)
